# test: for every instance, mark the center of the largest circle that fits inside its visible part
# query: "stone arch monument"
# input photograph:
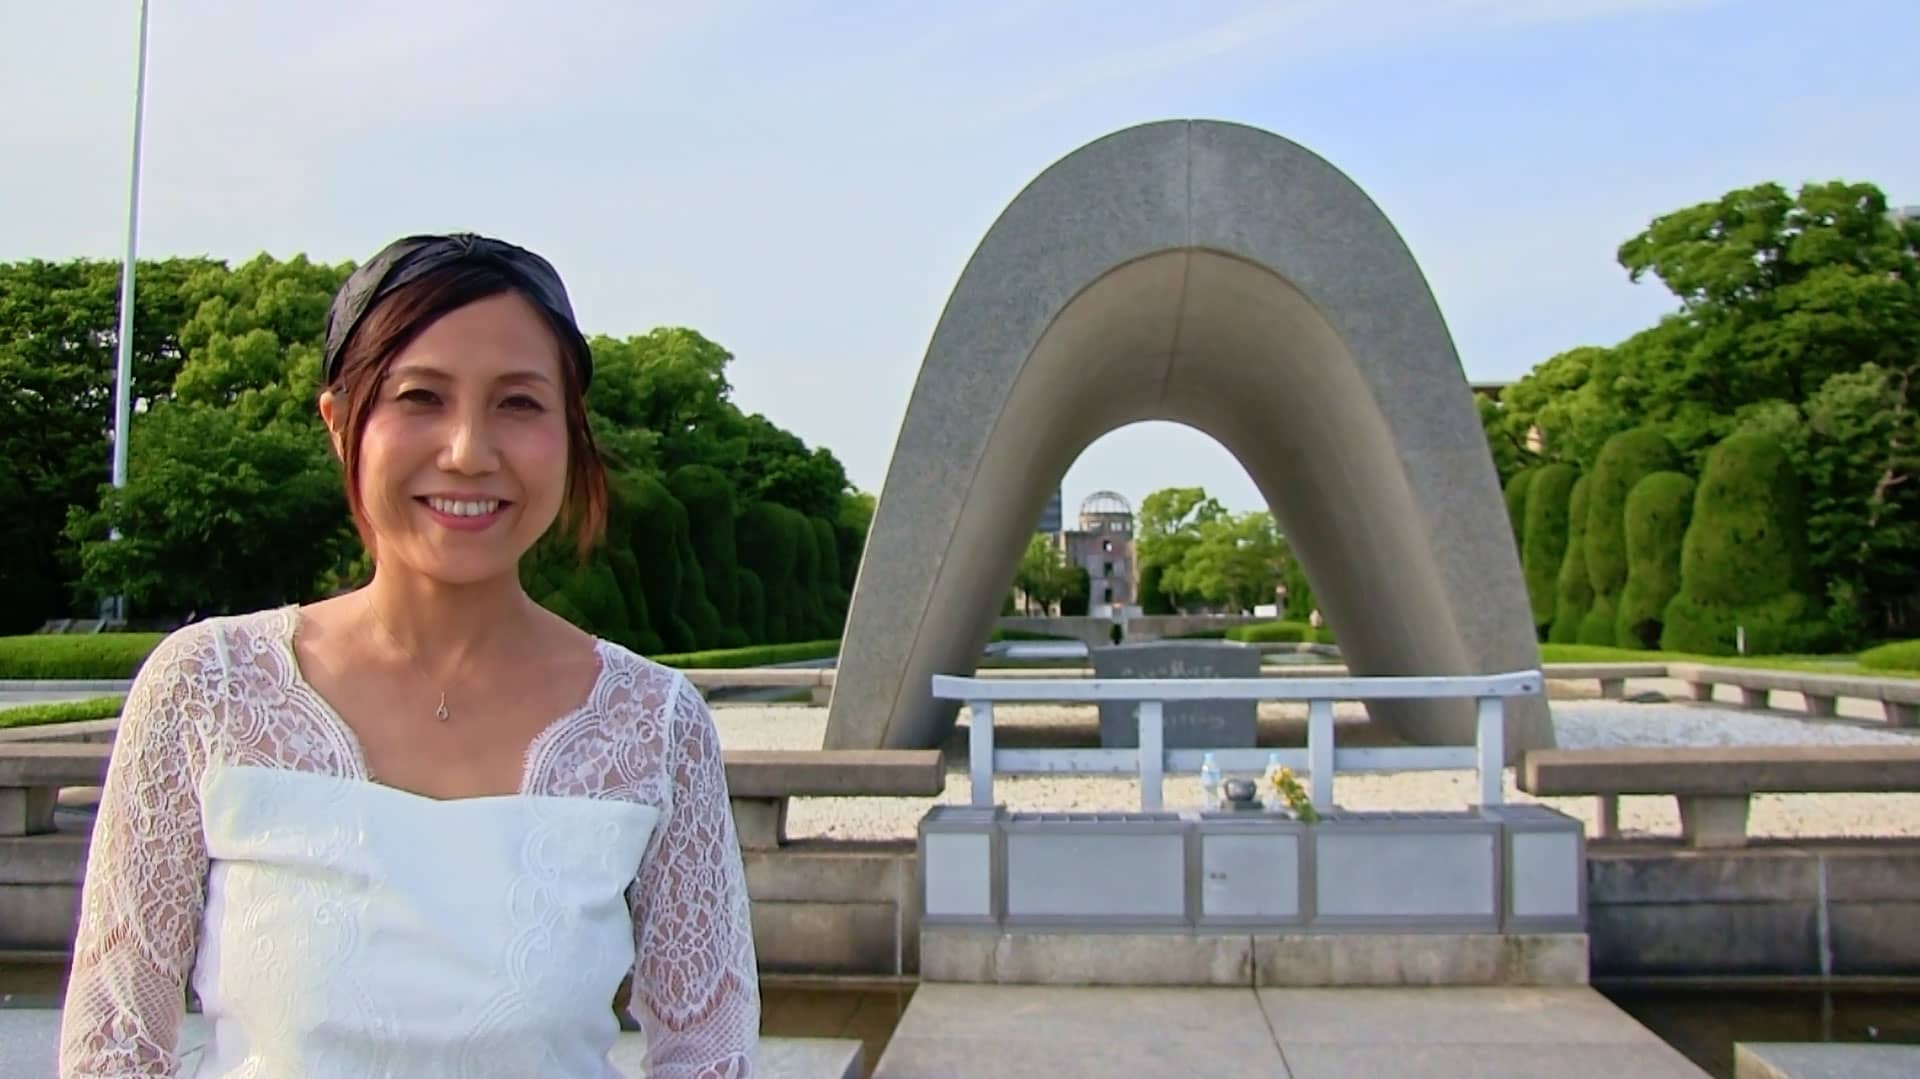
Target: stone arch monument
(1222, 277)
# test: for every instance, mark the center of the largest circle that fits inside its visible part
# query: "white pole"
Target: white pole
(123, 378)
(1153, 754)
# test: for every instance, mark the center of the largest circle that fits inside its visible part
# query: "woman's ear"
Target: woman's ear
(328, 414)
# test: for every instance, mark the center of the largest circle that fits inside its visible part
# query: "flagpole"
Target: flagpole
(123, 378)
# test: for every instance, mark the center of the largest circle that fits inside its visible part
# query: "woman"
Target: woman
(425, 828)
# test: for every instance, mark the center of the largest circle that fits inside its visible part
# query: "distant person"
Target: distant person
(425, 828)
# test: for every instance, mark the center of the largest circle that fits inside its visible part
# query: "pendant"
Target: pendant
(441, 712)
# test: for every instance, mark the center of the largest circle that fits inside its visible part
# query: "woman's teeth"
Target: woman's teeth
(464, 509)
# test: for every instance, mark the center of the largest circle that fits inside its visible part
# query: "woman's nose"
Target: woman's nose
(470, 448)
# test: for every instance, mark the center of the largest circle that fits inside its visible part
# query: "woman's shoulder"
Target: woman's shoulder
(206, 644)
(625, 663)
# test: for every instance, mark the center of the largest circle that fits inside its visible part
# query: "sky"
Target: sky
(803, 182)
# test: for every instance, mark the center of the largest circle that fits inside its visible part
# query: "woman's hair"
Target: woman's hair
(400, 317)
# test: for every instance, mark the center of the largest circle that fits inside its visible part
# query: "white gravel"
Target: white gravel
(1577, 724)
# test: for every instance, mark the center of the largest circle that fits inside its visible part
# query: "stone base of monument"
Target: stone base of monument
(1187, 724)
(1350, 891)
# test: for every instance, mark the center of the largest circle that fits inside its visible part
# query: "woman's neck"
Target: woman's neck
(442, 625)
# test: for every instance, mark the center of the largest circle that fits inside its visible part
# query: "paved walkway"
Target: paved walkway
(954, 1031)
(29, 1037)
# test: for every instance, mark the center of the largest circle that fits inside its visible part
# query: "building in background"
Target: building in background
(1103, 545)
(1052, 518)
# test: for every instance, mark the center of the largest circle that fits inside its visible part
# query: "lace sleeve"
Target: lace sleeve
(146, 877)
(696, 990)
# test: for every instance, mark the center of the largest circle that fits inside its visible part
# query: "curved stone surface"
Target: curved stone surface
(1222, 277)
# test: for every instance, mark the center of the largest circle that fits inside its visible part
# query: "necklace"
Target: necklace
(439, 713)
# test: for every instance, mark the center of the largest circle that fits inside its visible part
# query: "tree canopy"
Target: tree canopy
(1797, 317)
(233, 498)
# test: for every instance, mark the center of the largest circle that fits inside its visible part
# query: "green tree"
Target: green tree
(216, 517)
(1168, 526)
(1237, 561)
(1627, 458)
(1744, 561)
(1044, 575)
(1516, 493)
(1544, 548)
(59, 336)
(1153, 599)
(1573, 596)
(850, 530)
(1511, 453)
(708, 499)
(1861, 456)
(1658, 509)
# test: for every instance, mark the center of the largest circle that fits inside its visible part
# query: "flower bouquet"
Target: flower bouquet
(1279, 787)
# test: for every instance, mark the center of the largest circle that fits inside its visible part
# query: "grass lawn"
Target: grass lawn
(75, 655)
(35, 715)
(1595, 653)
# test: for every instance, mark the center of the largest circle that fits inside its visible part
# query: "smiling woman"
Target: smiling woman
(427, 827)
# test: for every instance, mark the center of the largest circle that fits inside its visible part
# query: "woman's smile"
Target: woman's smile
(465, 513)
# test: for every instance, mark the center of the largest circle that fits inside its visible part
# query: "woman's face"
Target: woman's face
(463, 460)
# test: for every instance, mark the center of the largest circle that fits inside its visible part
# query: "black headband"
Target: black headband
(406, 259)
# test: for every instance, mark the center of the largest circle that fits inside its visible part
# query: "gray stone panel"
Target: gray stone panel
(1364, 875)
(1222, 277)
(1546, 875)
(959, 875)
(1254, 876)
(1184, 724)
(1094, 875)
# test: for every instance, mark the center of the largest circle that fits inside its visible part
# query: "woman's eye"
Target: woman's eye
(418, 396)
(521, 402)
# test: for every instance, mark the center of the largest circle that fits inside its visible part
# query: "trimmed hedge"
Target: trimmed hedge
(708, 499)
(1271, 633)
(769, 546)
(1573, 592)
(1624, 461)
(1658, 509)
(1516, 493)
(1544, 548)
(39, 715)
(833, 589)
(1897, 656)
(1000, 634)
(759, 655)
(1744, 561)
(48, 656)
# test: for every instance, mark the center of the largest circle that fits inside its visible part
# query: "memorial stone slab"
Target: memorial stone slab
(1188, 724)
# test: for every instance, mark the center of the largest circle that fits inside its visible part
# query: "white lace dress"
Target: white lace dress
(335, 927)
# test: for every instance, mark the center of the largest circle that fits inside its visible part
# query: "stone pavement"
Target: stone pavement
(29, 1037)
(954, 1031)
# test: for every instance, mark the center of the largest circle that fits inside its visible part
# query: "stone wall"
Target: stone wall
(1832, 909)
(1838, 909)
(1098, 629)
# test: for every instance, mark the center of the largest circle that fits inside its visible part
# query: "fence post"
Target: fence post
(980, 752)
(1320, 751)
(1493, 751)
(1153, 756)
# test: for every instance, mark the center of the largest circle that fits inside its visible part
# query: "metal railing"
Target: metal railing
(1321, 759)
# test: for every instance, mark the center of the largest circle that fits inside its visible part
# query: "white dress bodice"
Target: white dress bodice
(336, 927)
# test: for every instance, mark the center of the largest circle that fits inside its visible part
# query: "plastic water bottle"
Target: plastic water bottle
(1209, 783)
